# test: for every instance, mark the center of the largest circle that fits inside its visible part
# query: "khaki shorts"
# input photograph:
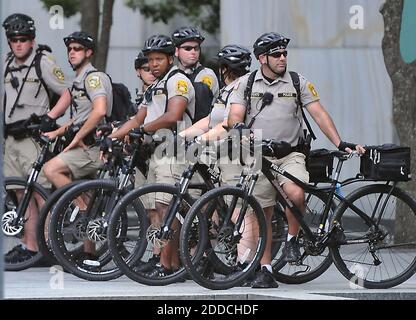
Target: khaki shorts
(82, 163)
(230, 172)
(166, 171)
(294, 164)
(19, 156)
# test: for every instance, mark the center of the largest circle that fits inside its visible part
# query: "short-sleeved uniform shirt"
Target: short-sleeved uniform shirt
(97, 84)
(282, 119)
(176, 85)
(33, 97)
(220, 108)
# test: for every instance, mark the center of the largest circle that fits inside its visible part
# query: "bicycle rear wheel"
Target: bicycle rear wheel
(383, 254)
(238, 252)
(309, 266)
(14, 234)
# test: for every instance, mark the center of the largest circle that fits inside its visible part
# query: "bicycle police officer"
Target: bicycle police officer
(280, 120)
(172, 100)
(31, 78)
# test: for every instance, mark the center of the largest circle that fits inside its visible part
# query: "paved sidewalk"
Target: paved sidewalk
(39, 283)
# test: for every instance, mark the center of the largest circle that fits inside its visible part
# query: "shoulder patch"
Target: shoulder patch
(94, 81)
(58, 74)
(208, 81)
(181, 87)
(312, 90)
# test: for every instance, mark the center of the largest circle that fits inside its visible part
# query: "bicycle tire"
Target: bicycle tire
(59, 239)
(385, 238)
(191, 263)
(313, 266)
(43, 222)
(128, 266)
(9, 207)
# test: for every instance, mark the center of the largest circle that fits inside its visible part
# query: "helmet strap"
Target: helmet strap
(79, 65)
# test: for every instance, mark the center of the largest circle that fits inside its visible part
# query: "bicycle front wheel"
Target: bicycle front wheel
(222, 256)
(147, 251)
(14, 234)
(78, 230)
(379, 252)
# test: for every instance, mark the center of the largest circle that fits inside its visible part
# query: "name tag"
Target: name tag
(287, 95)
(256, 94)
(158, 92)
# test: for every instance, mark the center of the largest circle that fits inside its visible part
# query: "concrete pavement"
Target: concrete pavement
(43, 283)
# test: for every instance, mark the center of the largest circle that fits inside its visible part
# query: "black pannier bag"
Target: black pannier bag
(320, 163)
(388, 162)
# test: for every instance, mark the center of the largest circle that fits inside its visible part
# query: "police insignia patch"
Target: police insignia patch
(181, 87)
(208, 81)
(94, 82)
(312, 89)
(59, 74)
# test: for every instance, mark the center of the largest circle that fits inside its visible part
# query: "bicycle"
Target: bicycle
(330, 234)
(78, 222)
(156, 237)
(18, 193)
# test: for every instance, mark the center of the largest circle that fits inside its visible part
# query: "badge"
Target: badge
(181, 87)
(208, 81)
(94, 82)
(312, 89)
(59, 74)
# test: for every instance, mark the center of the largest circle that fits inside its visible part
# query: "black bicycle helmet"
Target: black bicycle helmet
(186, 34)
(269, 41)
(235, 57)
(19, 25)
(82, 38)
(140, 60)
(159, 43)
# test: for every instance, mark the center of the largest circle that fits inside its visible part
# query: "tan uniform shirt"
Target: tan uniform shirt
(33, 98)
(97, 84)
(177, 85)
(220, 109)
(282, 119)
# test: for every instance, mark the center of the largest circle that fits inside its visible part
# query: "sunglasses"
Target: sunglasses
(145, 69)
(278, 54)
(189, 48)
(22, 40)
(76, 49)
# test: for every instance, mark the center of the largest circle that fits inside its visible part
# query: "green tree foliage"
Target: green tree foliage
(71, 7)
(202, 13)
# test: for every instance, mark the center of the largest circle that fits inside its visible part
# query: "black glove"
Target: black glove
(105, 129)
(106, 145)
(47, 124)
(343, 145)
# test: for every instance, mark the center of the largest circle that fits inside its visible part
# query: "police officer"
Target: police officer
(92, 100)
(234, 61)
(171, 100)
(188, 42)
(31, 77)
(141, 64)
(281, 120)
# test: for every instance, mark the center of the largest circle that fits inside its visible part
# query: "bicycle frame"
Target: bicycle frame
(327, 192)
